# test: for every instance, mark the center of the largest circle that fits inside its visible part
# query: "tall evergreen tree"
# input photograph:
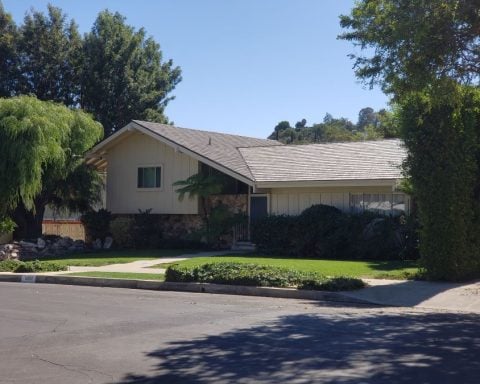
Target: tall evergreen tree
(124, 76)
(8, 54)
(50, 57)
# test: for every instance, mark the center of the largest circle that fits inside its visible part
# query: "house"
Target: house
(143, 159)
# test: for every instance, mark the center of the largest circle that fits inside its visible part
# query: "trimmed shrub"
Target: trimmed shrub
(30, 266)
(319, 232)
(325, 232)
(275, 234)
(97, 224)
(121, 229)
(146, 230)
(258, 275)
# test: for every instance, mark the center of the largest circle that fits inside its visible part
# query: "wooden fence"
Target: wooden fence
(70, 228)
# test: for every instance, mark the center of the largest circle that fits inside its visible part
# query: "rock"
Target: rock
(27, 244)
(41, 243)
(13, 255)
(3, 255)
(97, 244)
(108, 242)
(64, 242)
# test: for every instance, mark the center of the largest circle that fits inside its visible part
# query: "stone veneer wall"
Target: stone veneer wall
(180, 226)
(236, 203)
(174, 226)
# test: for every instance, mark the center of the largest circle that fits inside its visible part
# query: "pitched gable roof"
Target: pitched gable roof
(368, 160)
(219, 150)
(267, 163)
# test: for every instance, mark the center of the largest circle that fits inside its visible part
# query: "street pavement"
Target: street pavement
(69, 334)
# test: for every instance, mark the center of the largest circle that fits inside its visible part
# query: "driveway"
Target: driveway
(69, 334)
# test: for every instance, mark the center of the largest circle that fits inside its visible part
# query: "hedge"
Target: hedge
(258, 275)
(325, 232)
(30, 266)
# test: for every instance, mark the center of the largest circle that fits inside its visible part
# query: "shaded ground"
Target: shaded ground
(83, 334)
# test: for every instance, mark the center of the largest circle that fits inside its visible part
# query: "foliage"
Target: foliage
(42, 146)
(30, 266)
(115, 72)
(392, 269)
(412, 44)
(317, 229)
(97, 224)
(146, 229)
(7, 225)
(441, 131)
(121, 229)
(50, 57)
(371, 125)
(274, 234)
(258, 275)
(124, 77)
(325, 232)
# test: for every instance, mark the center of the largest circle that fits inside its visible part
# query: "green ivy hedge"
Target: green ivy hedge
(325, 232)
(258, 275)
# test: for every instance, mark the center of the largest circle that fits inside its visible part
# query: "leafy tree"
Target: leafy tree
(441, 129)
(425, 53)
(414, 43)
(124, 77)
(50, 57)
(281, 126)
(300, 124)
(366, 116)
(42, 146)
(8, 53)
(201, 186)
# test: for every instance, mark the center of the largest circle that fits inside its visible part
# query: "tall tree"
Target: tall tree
(42, 146)
(50, 57)
(414, 42)
(124, 76)
(426, 54)
(8, 54)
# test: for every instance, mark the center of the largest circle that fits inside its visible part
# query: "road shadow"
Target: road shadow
(346, 347)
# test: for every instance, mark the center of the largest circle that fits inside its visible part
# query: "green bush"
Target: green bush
(319, 232)
(325, 232)
(258, 275)
(275, 234)
(97, 224)
(121, 229)
(7, 225)
(146, 230)
(30, 266)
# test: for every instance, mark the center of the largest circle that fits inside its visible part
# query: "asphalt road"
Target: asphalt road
(69, 334)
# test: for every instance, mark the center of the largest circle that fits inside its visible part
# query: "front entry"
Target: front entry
(258, 207)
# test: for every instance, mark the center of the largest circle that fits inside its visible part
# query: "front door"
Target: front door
(258, 207)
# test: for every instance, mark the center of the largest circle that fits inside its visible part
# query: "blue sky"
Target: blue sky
(247, 64)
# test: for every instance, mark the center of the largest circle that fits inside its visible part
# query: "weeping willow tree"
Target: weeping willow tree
(41, 162)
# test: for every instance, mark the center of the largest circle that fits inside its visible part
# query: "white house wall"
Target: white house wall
(139, 150)
(292, 201)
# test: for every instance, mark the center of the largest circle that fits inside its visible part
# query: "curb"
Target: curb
(285, 293)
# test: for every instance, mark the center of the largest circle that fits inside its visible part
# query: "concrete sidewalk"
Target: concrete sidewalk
(421, 294)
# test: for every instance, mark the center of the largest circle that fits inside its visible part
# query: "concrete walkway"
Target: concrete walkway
(142, 266)
(421, 294)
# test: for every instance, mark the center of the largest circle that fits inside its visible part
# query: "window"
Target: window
(149, 177)
(384, 203)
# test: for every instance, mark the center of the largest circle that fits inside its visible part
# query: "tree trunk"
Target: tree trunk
(29, 224)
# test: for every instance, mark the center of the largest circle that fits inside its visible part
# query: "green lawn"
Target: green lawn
(367, 269)
(122, 275)
(96, 259)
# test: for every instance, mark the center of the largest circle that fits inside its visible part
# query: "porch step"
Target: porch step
(243, 246)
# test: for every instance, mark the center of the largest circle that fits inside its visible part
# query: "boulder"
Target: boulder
(41, 244)
(108, 242)
(97, 244)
